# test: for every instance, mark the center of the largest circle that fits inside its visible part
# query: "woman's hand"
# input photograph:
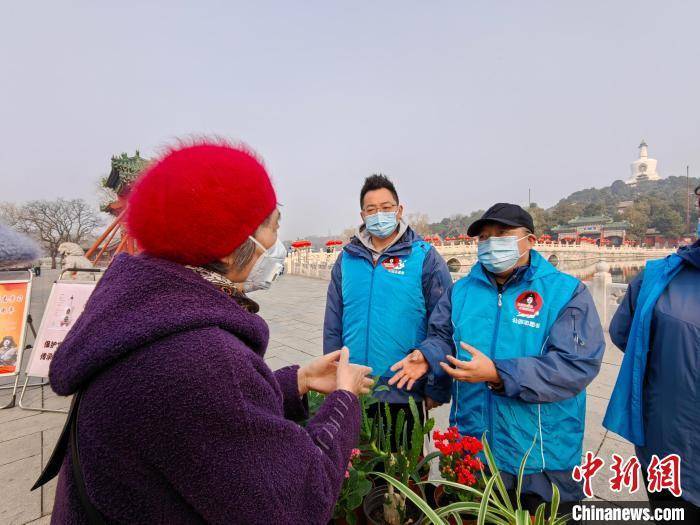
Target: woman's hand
(319, 375)
(353, 378)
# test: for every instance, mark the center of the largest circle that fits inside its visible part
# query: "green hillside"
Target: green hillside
(655, 204)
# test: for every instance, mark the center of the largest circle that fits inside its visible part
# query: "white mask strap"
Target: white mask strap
(258, 243)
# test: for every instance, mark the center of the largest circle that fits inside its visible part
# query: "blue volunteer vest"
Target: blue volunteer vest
(515, 324)
(384, 314)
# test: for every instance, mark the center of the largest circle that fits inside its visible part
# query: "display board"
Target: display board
(14, 306)
(66, 303)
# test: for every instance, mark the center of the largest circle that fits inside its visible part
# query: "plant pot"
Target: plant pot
(373, 507)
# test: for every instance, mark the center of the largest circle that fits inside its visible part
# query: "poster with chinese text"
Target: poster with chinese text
(65, 304)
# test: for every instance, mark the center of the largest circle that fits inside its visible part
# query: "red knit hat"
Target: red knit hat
(199, 203)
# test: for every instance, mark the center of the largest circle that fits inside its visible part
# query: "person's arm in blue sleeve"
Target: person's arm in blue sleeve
(622, 320)
(436, 346)
(333, 321)
(436, 279)
(571, 358)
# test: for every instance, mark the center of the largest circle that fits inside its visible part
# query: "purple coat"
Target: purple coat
(181, 420)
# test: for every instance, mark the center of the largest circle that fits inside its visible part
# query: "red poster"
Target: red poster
(13, 316)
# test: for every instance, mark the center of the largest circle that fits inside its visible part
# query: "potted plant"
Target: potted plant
(355, 487)
(458, 463)
(403, 462)
(490, 505)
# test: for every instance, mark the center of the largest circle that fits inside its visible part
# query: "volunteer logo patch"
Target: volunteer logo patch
(528, 304)
(394, 265)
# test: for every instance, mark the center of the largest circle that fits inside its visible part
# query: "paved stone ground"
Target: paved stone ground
(294, 310)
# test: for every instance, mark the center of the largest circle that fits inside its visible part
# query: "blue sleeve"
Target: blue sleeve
(571, 359)
(436, 279)
(436, 346)
(333, 321)
(622, 320)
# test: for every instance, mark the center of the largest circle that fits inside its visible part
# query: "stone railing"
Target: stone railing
(606, 294)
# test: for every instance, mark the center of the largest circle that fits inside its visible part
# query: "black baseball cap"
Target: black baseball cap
(697, 190)
(503, 213)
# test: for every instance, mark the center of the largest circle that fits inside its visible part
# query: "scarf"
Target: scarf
(227, 286)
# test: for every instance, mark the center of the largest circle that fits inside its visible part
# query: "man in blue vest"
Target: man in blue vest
(656, 400)
(384, 285)
(522, 341)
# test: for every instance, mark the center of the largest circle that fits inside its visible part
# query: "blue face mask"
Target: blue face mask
(698, 230)
(499, 254)
(381, 224)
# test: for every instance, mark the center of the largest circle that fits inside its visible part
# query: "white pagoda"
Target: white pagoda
(644, 168)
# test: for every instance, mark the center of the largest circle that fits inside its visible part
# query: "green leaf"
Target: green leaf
(539, 514)
(351, 518)
(354, 500)
(458, 486)
(416, 433)
(522, 517)
(483, 507)
(496, 473)
(364, 487)
(554, 506)
(425, 460)
(521, 472)
(415, 499)
(473, 508)
(400, 423)
(387, 435)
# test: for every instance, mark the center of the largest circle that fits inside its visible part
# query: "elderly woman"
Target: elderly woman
(178, 418)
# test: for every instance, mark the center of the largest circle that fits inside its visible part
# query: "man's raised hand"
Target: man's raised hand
(479, 369)
(409, 370)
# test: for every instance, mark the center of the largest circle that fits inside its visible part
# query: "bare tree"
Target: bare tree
(419, 222)
(54, 222)
(348, 233)
(9, 214)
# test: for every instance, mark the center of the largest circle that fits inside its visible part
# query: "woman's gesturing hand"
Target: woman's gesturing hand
(353, 378)
(320, 374)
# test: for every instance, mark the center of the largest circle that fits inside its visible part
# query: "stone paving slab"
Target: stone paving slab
(294, 310)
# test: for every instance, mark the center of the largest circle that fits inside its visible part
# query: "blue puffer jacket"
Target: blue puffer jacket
(671, 389)
(380, 312)
(543, 333)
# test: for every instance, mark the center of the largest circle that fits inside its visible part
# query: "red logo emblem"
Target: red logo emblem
(393, 263)
(528, 304)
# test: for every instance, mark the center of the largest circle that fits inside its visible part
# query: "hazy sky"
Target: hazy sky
(462, 103)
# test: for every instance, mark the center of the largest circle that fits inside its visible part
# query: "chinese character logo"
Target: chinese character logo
(665, 474)
(585, 472)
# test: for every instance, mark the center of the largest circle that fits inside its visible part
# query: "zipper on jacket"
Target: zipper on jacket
(369, 313)
(492, 355)
(577, 339)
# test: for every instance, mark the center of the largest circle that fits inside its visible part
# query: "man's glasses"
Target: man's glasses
(385, 207)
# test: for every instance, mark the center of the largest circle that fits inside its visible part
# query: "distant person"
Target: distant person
(16, 250)
(522, 341)
(215, 440)
(384, 285)
(656, 400)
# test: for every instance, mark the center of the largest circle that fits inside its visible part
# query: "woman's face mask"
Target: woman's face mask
(499, 254)
(267, 268)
